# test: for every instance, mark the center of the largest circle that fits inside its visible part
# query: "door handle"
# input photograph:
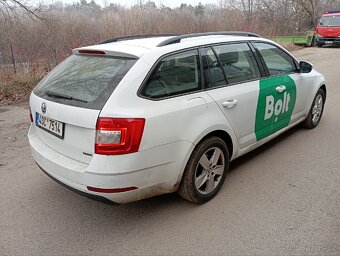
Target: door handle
(280, 88)
(229, 103)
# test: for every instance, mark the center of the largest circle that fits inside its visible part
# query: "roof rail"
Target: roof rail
(177, 39)
(116, 39)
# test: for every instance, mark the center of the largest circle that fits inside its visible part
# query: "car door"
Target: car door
(278, 102)
(233, 82)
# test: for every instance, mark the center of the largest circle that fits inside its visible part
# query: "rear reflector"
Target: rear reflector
(91, 52)
(117, 136)
(110, 190)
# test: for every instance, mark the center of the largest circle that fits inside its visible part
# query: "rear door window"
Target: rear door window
(238, 62)
(84, 81)
(174, 75)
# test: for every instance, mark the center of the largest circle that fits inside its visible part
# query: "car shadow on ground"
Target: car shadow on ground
(263, 148)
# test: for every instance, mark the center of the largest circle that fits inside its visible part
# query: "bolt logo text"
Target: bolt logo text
(277, 108)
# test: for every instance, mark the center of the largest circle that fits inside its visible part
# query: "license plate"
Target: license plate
(328, 42)
(50, 125)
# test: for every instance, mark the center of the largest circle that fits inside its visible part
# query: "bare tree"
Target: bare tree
(314, 8)
(248, 9)
(39, 44)
(11, 9)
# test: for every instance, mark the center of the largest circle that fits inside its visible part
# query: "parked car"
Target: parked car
(136, 117)
(328, 29)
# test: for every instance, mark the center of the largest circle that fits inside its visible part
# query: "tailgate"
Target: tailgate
(78, 138)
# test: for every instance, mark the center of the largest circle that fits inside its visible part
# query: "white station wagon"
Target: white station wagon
(136, 117)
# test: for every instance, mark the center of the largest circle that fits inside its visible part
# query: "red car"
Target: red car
(328, 29)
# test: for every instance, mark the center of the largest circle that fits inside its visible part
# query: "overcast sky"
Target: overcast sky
(171, 3)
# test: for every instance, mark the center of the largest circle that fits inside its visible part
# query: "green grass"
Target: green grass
(300, 40)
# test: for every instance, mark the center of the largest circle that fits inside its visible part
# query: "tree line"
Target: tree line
(45, 35)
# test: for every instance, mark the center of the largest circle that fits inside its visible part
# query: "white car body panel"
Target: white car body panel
(153, 176)
(246, 95)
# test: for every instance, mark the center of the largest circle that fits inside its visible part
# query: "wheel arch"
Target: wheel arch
(319, 84)
(225, 132)
(226, 135)
(323, 87)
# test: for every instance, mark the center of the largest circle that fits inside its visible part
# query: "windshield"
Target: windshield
(330, 21)
(84, 81)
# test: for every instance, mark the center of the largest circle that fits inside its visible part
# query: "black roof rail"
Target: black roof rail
(116, 39)
(177, 39)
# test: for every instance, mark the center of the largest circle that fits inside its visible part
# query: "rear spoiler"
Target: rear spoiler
(125, 51)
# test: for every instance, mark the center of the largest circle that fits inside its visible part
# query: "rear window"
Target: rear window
(84, 81)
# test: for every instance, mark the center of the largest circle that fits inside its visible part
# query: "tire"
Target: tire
(316, 110)
(205, 171)
(319, 45)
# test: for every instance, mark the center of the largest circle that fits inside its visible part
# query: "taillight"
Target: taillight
(117, 136)
(31, 117)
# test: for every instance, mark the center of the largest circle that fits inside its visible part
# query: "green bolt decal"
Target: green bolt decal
(274, 109)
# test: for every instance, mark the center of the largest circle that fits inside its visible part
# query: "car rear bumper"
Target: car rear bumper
(148, 171)
(328, 41)
(91, 196)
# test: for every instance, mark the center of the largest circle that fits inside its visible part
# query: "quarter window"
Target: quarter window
(176, 74)
(238, 62)
(277, 61)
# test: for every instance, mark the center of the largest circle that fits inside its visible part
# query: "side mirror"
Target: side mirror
(305, 67)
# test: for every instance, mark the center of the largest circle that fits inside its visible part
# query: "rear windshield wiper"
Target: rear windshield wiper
(62, 96)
